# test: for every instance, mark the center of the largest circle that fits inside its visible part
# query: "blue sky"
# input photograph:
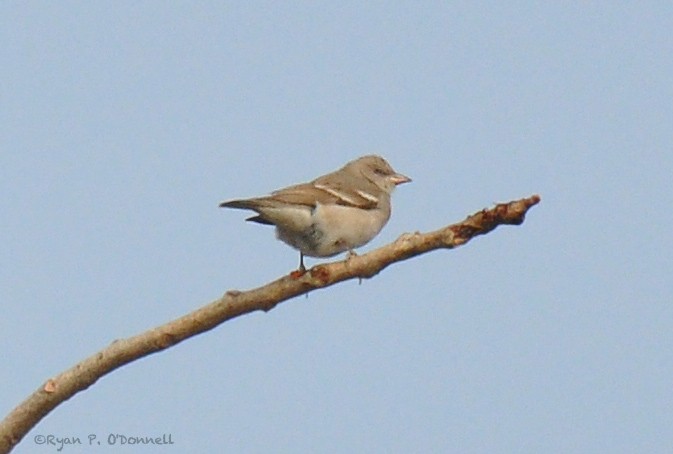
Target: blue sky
(124, 124)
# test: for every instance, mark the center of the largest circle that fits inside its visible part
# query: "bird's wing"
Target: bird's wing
(325, 192)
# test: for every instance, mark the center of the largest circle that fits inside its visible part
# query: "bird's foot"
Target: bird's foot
(296, 274)
(350, 255)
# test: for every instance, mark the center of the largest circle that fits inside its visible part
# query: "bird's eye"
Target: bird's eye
(379, 171)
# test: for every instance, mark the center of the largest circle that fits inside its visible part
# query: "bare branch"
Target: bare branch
(234, 303)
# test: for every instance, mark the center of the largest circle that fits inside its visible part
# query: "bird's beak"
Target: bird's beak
(398, 178)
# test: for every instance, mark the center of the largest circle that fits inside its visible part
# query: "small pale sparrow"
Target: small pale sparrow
(334, 213)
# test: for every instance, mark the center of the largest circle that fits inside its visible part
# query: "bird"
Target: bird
(334, 213)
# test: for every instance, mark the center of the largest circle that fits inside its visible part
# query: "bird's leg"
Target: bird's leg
(302, 268)
(349, 256)
(296, 274)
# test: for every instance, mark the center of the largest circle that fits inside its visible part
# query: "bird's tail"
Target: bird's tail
(248, 204)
